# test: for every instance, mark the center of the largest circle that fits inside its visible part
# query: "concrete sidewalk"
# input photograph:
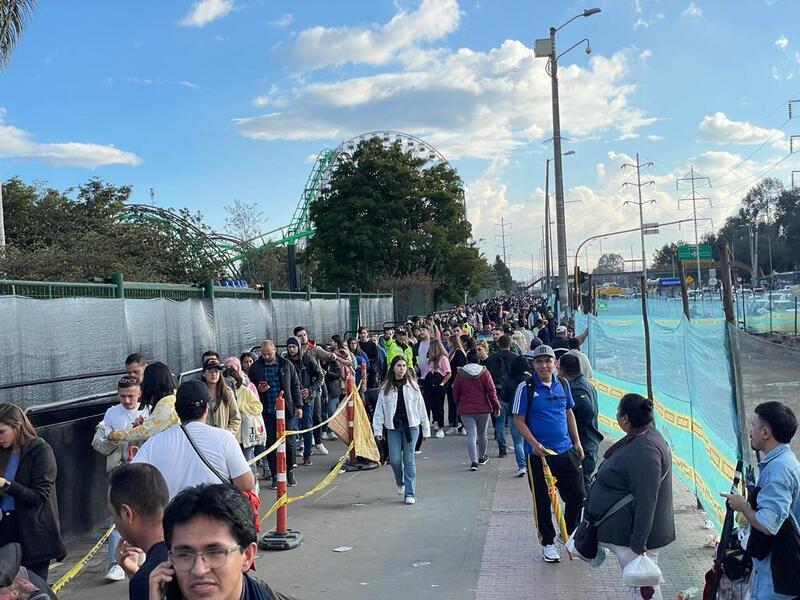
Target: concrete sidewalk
(470, 535)
(512, 566)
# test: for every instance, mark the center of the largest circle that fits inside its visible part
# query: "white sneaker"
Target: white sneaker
(321, 449)
(417, 451)
(411, 500)
(115, 573)
(550, 554)
(401, 489)
(522, 472)
(330, 436)
(439, 434)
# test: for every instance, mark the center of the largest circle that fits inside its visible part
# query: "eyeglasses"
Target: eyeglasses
(215, 558)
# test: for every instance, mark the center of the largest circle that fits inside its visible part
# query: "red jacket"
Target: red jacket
(474, 392)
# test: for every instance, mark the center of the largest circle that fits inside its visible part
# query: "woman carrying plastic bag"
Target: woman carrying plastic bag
(639, 466)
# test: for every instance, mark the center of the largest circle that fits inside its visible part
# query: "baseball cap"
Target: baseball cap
(192, 393)
(559, 352)
(401, 332)
(561, 329)
(543, 350)
(212, 364)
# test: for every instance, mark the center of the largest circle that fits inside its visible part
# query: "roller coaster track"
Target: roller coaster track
(231, 250)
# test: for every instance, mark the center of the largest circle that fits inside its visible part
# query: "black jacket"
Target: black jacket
(290, 383)
(585, 411)
(499, 365)
(635, 467)
(35, 518)
(309, 373)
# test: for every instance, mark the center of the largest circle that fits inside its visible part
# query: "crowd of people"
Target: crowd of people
(185, 500)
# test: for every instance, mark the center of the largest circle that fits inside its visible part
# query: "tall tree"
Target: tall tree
(90, 232)
(610, 263)
(14, 15)
(388, 215)
(503, 273)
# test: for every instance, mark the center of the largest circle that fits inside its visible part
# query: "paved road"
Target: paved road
(438, 548)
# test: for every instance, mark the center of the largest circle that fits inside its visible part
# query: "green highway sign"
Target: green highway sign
(688, 252)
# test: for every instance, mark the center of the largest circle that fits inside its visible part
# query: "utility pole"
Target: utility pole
(503, 235)
(2, 220)
(547, 239)
(638, 166)
(694, 177)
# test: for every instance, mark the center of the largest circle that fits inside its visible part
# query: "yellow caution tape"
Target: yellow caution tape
(328, 479)
(78, 566)
(339, 409)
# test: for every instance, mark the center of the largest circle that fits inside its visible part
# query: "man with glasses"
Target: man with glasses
(211, 539)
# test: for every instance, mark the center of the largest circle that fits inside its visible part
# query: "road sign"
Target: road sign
(689, 280)
(669, 281)
(686, 253)
(602, 305)
(650, 228)
(712, 281)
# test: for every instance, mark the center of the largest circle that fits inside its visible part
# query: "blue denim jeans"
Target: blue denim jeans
(516, 437)
(249, 454)
(113, 540)
(305, 422)
(401, 457)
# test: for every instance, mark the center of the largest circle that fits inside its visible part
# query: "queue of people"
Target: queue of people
(181, 491)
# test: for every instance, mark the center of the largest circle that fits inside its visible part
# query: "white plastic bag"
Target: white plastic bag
(642, 571)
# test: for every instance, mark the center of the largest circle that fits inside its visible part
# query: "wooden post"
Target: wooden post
(648, 363)
(684, 291)
(727, 284)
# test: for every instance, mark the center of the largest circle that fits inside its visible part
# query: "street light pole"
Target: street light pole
(561, 229)
(547, 239)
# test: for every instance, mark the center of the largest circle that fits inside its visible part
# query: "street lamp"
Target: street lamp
(547, 48)
(547, 231)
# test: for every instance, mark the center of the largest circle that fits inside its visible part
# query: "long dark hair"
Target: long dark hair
(390, 379)
(156, 383)
(13, 416)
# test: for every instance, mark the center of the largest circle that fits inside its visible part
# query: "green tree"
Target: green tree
(244, 220)
(667, 254)
(610, 263)
(266, 264)
(387, 215)
(503, 274)
(14, 15)
(91, 232)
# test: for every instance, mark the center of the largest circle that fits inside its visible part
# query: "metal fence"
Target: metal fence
(62, 330)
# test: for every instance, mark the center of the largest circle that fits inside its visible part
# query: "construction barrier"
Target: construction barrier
(286, 539)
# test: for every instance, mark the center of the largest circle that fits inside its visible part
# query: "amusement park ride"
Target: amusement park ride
(233, 249)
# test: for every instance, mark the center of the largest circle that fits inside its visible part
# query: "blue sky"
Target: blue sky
(210, 101)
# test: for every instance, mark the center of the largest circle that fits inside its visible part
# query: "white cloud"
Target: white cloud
(782, 42)
(776, 74)
(319, 47)
(797, 56)
(467, 103)
(693, 11)
(16, 143)
(640, 22)
(645, 54)
(152, 81)
(722, 130)
(654, 138)
(284, 20)
(204, 12)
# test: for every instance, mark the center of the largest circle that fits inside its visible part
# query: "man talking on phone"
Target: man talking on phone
(211, 542)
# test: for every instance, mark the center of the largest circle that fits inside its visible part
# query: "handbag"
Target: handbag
(252, 498)
(583, 540)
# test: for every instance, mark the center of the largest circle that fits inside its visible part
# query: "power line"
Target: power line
(638, 185)
(693, 177)
(503, 235)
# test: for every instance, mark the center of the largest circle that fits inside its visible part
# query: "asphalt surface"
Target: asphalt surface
(431, 549)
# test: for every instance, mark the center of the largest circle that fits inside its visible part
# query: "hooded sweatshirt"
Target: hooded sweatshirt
(474, 392)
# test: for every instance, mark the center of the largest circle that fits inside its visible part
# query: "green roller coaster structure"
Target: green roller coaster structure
(233, 250)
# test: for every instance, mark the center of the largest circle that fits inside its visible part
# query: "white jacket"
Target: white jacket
(415, 410)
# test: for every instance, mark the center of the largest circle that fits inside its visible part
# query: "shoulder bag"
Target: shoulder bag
(252, 498)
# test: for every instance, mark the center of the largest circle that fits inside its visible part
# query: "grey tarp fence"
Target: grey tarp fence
(374, 312)
(42, 339)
